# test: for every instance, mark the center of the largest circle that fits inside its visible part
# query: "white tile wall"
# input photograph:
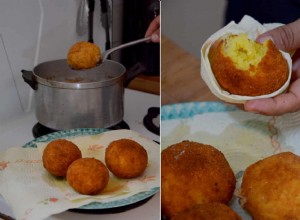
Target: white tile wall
(19, 21)
(9, 98)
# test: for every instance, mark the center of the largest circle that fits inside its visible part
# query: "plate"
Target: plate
(243, 137)
(86, 134)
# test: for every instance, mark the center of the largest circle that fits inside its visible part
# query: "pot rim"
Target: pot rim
(81, 85)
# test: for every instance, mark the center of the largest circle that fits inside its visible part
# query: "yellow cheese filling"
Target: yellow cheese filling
(244, 53)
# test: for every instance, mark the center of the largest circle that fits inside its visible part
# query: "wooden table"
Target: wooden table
(144, 83)
(180, 76)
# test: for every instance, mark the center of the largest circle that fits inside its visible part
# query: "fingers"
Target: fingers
(281, 104)
(155, 37)
(267, 106)
(285, 37)
(154, 30)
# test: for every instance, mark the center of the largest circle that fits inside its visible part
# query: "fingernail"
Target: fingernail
(262, 39)
(154, 37)
(250, 106)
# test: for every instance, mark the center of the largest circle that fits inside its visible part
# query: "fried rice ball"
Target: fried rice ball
(208, 211)
(270, 188)
(193, 173)
(88, 176)
(126, 158)
(244, 67)
(83, 55)
(58, 155)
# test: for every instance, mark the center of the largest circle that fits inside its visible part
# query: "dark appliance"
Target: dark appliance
(137, 15)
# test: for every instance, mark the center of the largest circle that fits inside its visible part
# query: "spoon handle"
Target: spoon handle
(108, 52)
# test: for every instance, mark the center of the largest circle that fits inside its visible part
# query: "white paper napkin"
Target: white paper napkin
(253, 28)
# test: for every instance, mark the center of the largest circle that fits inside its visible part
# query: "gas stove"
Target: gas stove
(18, 131)
(39, 130)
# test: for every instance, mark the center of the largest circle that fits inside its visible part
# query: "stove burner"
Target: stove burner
(121, 125)
(39, 130)
(151, 120)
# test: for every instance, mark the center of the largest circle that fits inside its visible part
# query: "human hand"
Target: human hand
(286, 38)
(154, 30)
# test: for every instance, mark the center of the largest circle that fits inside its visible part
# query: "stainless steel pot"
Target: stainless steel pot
(67, 98)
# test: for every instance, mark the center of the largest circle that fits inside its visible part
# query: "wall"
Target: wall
(189, 23)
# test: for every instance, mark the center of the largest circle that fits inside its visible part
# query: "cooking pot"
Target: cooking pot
(91, 98)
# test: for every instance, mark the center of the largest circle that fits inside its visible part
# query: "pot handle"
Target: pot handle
(28, 78)
(133, 72)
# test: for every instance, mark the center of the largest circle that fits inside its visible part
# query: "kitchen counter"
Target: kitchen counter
(180, 76)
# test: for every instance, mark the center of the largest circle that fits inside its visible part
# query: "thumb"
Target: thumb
(286, 37)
